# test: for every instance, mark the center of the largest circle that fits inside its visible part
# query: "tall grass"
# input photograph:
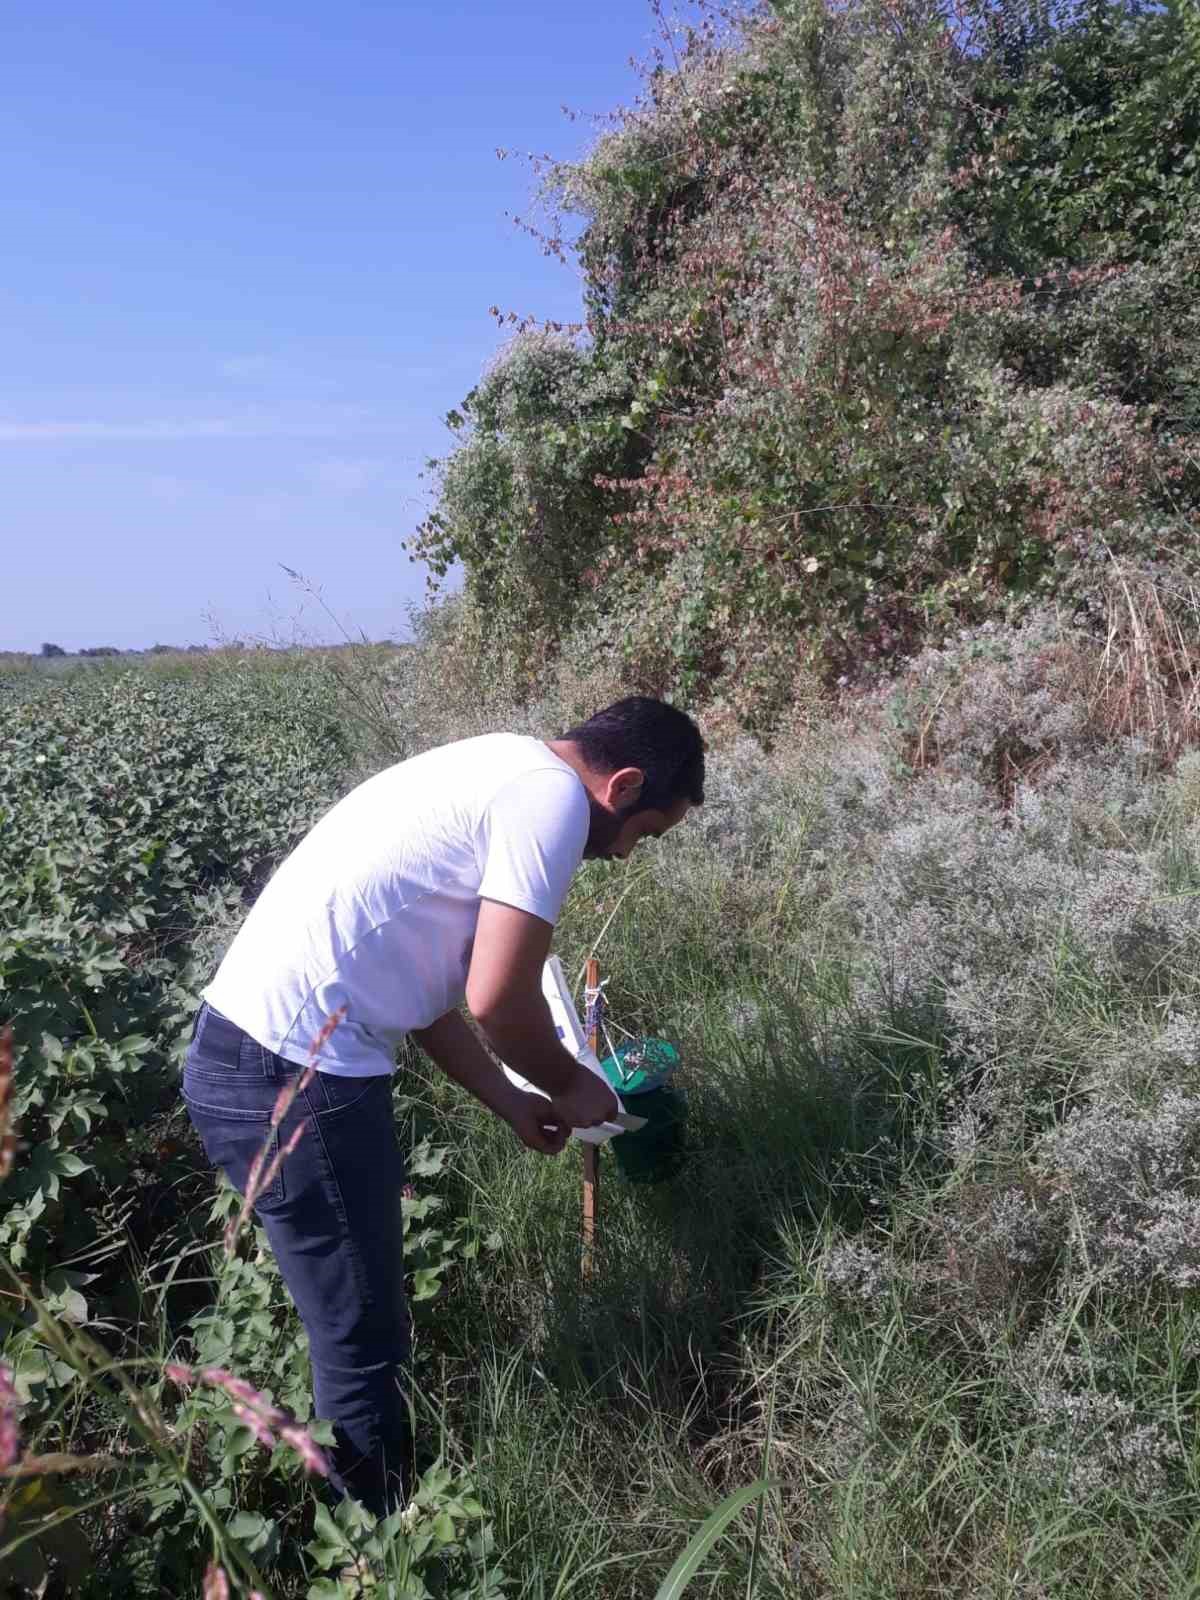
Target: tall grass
(932, 1013)
(931, 1264)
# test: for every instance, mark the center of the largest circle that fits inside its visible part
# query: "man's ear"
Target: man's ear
(623, 787)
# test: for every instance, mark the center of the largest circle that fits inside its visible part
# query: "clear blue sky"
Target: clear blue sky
(249, 253)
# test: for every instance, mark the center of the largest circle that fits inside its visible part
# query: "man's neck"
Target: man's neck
(572, 755)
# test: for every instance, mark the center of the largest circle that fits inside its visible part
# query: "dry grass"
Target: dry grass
(1007, 705)
(1147, 681)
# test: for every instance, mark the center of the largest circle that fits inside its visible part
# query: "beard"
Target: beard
(604, 830)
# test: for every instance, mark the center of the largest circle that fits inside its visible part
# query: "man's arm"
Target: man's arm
(504, 993)
(451, 1045)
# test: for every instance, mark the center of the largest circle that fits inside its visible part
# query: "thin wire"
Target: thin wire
(596, 1019)
(634, 880)
(625, 1031)
(620, 1065)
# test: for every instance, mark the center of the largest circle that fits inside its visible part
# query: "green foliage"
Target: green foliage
(139, 812)
(520, 508)
(1089, 132)
(135, 813)
(132, 814)
(929, 1263)
(896, 309)
(433, 1246)
(689, 1563)
(439, 1538)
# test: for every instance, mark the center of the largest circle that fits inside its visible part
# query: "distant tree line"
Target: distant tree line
(49, 650)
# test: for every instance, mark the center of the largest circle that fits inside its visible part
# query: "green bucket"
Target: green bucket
(640, 1072)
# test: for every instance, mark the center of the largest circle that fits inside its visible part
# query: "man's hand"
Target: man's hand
(586, 1103)
(545, 1125)
(541, 1124)
(535, 1123)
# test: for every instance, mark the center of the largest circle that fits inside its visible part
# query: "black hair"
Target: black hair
(661, 740)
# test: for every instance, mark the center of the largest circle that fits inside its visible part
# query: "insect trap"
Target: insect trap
(648, 1132)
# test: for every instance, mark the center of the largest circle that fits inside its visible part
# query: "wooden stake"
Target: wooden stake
(591, 1152)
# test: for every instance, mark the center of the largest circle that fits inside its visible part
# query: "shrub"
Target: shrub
(865, 362)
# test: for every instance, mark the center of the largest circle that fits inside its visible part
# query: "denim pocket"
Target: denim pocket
(233, 1137)
(331, 1092)
(222, 1053)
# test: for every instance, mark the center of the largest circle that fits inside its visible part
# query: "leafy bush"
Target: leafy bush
(134, 814)
(890, 328)
(1088, 133)
(519, 505)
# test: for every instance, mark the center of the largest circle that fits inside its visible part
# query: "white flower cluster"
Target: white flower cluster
(1132, 1180)
(1097, 1443)
(855, 1272)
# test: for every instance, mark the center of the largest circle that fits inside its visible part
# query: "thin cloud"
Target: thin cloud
(344, 476)
(244, 367)
(164, 431)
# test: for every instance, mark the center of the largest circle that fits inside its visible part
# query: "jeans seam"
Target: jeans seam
(360, 1273)
(233, 1113)
(351, 1105)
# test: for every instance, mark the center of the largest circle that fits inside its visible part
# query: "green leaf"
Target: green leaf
(241, 1439)
(426, 1160)
(427, 1281)
(69, 1303)
(326, 1528)
(256, 1532)
(702, 1541)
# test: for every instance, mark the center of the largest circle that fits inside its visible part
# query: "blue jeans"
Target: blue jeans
(333, 1218)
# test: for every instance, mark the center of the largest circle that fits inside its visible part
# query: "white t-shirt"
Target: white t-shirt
(375, 909)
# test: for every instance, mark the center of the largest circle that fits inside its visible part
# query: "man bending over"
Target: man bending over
(438, 880)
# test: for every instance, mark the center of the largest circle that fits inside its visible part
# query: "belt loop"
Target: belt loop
(270, 1063)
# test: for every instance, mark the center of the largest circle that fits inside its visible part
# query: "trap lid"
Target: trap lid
(640, 1065)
